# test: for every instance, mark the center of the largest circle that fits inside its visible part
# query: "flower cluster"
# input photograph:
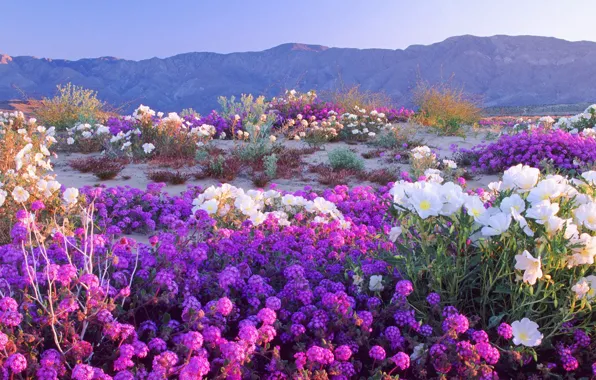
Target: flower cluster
(326, 285)
(538, 148)
(583, 122)
(363, 124)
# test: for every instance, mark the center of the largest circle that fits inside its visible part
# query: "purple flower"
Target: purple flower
(377, 353)
(505, 331)
(401, 360)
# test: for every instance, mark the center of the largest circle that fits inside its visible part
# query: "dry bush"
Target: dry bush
(379, 176)
(101, 167)
(260, 180)
(70, 105)
(445, 106)
(172, 177)
(351, 97)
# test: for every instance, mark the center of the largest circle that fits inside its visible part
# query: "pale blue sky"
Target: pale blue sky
(136, 29)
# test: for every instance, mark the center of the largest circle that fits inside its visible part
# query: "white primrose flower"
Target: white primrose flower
(581, 288)
(585, 215)
(394, 233)
(531, 266)
(497, 224)
(148, 148)
(426, 203)
(525, 332)
(71, 196)
(375, 283)
(20, 195)
(522, 177)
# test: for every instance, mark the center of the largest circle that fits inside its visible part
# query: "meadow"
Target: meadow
(296, 238)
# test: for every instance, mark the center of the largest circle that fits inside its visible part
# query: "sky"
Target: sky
(141, 29)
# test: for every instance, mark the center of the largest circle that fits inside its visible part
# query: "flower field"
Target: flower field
(390, 258)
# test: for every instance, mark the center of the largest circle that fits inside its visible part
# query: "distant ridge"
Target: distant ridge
(503, 70)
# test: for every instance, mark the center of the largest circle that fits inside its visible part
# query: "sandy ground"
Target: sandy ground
(135, 175)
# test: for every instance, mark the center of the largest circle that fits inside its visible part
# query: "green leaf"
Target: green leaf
(166, 318)
(495, 320)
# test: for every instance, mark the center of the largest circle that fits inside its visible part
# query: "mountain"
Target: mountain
(503, 70)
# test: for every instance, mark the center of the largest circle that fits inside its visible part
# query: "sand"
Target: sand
(135, 175)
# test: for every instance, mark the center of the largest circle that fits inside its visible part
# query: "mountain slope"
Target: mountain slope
(504, 70)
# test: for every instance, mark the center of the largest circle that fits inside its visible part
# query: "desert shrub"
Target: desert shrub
(350, 98)
(342, 158)
(25, 165)
(223, 167)
(71, 105)
(362, 125)
(313, 131)
(379, 176)
(397, 136)
(260, 180)
(561, 149)
(580, 122)
(445, 107)
(102, 167)
(328, 176)
(86, 138)
(479, 249)
(296, 106)
(248, 111)
(256, 142)
(167, 176)
(270, 163)
(147, 134)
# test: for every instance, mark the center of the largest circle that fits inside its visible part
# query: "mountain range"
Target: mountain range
(502, 70)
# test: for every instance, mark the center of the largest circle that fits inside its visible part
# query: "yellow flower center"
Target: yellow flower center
(424, 205)
(523, 336)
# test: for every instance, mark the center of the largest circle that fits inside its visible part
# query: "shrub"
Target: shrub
(379, 176)
(557, 148)
(172, 177)
(102, 167)
(580, 122)
(351, 98)
(270, 163)
(71, 105)
(342, 158)
(445, 107)
(24, 169)
(223, 167)
(260, 180)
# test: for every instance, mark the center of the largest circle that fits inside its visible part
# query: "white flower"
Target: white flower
(70, 195)
(20, 195)
(450, 164)
(520, 176)
(542, 211)
(272, 138)
(3, 195)
(394, 233)
(586, 215)
(590, 176)
(426, 202)
(584, 253)
(513, 202)
(531, 266)
(546, 190)
(376, 283)
(87, 134)
(581, 288)
(148, 148)
(70, 141)
(497, 224)
(210, 206)
(525, 332)
(357, 279)
(474, 206)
